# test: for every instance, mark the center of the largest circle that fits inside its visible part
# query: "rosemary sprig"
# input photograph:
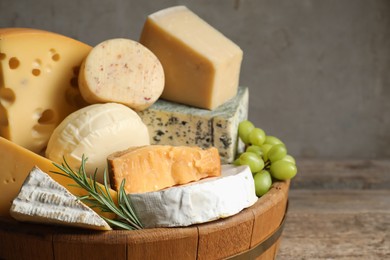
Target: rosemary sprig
(101, 198)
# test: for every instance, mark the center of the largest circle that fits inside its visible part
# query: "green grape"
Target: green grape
(269, 139)
(244, 129)
(254, 162)
(289, 158)
(265, 149)
(277, 152)
(283, 170)
(263, 182)
(254, 149)
(257, 136)
(237, 162)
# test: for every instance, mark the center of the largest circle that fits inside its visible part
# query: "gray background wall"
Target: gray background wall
(318, 71)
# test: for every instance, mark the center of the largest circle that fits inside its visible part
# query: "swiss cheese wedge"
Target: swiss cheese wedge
(155, 167)
(38, 83)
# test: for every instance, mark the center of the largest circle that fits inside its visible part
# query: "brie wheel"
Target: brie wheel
(197, 202)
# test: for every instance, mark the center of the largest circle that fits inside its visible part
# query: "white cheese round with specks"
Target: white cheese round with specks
(96, 131)
(197, 202)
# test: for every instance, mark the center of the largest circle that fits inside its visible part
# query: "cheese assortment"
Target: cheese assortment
(43, 200)
(96, 131)
(197, 202)
(155, 167)
(201, 65)
(175, 124)
(156, 120)
(122, 71)
(38, 86)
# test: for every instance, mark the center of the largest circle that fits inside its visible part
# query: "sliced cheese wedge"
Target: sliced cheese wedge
(43, 200)
(16, 163)
(155, 167)
(198, 202)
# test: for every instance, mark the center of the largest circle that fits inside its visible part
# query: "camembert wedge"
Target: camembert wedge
(16, 163)
(43, 200)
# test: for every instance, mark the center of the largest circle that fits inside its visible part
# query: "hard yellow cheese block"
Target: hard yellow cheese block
(16, 163)
(38, 83)
(155, 167)
(201, 65)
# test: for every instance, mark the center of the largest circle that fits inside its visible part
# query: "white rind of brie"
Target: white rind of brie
(197, 202)
(43, 200)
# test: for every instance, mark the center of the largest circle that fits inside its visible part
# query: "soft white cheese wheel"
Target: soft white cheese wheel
(197, 202)
(96, 131)
(122, 71)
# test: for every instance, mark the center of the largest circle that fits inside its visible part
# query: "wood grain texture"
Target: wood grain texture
(225, 238)
(337, 224)
(342, 174)
(272, 212)
(163, 243)
(21, 241)
(81, 244)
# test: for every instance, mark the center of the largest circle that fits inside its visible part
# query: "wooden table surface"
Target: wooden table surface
(338, 210)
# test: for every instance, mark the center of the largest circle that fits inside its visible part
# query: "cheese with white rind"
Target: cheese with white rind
(173, 124)
(198, 202)
(96, 131)
(38, 84)
(122, 71)
(16, 163)
(43, 200)
(201, 65)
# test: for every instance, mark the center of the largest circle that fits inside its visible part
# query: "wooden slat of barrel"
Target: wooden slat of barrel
(163, 243)
(225, 237)
(84, 244)
(269, 216)
(21, 241)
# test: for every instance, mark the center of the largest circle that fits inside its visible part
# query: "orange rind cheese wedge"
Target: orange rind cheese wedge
(155, 167)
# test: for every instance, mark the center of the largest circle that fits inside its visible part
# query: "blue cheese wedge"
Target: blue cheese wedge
(174, 124)
(43, 200)
(198, 202)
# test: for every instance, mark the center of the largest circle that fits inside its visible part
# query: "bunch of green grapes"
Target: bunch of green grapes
(265, 155)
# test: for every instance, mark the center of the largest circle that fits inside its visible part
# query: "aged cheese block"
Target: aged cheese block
(172, 124)
(197, 202)
(201, 65)
(155, 167)
(16, 163)
(96, 131)
(43, 200)
(123, 71)
(38, 86)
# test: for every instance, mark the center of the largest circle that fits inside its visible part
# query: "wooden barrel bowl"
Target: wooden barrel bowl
(254, 233)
